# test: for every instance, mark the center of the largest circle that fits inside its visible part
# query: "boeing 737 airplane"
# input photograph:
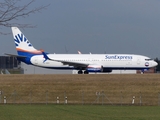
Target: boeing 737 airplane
(84, 63)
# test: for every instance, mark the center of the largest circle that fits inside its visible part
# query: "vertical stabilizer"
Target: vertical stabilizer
(23, 46)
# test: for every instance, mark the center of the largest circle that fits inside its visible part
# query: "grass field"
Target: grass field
(79, 89)
(33, 89)
(78, 112)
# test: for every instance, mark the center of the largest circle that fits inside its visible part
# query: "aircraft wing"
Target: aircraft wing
(76, 64)
(17, 56)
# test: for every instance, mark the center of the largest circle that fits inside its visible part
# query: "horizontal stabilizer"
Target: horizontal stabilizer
(17, 56)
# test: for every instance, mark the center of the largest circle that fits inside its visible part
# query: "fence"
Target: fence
(82, 97)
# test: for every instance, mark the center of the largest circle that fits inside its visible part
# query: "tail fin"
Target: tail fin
(23, 46)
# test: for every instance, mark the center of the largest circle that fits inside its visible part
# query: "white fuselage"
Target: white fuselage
(112, 61)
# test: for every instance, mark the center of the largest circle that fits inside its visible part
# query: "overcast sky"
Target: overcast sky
(96, 26)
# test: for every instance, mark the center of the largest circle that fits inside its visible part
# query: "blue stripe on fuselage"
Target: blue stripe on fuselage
(28, 55)
(126, 68)
(106, 68)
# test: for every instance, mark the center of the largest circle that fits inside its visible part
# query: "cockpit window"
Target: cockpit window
(148, 59)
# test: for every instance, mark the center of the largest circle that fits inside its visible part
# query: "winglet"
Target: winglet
(79, 52)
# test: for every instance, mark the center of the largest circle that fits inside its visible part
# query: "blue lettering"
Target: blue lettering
(118, 57)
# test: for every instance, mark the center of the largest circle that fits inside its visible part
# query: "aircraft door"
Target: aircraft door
(138, 61)
(129, 63)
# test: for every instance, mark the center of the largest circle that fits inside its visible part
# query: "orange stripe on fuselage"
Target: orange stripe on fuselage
(34, 52)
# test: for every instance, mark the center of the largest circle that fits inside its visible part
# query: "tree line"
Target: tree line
(158, 66)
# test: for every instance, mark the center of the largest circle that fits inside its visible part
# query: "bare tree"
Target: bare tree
(12, 10)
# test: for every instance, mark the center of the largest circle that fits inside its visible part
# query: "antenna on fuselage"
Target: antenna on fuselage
(66, 50)
(105, 52)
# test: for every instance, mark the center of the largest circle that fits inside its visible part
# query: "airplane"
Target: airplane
(84, 63)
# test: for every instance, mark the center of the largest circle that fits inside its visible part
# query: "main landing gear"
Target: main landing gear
(81, 72)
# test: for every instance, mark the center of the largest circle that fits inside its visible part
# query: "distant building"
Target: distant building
(10, 64)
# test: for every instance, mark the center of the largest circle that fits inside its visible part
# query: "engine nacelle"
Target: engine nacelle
(107, 70)
(94, 68)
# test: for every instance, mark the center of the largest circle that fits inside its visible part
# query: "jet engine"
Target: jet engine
(94, 68)
(97, 68)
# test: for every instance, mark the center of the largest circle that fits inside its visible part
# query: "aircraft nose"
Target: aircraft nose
(155, 63)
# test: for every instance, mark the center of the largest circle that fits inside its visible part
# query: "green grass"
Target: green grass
(78, 112)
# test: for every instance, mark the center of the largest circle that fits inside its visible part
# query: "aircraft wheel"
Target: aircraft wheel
(86, 72)
(80, 72)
